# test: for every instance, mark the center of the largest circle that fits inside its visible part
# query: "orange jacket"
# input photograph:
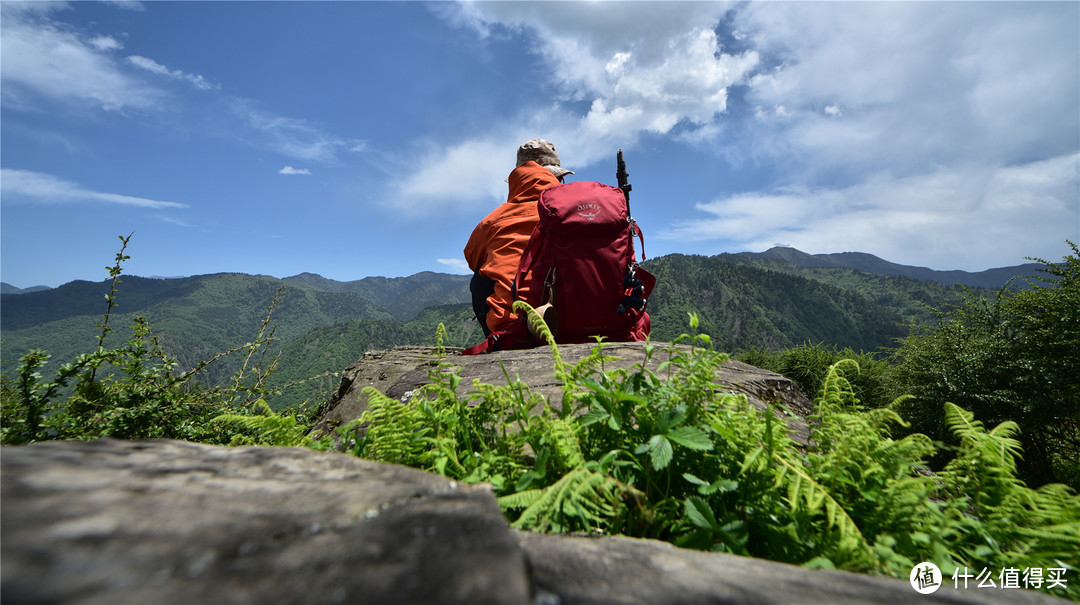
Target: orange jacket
(495, 246)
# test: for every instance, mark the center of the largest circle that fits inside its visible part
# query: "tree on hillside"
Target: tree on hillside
(1016, 357)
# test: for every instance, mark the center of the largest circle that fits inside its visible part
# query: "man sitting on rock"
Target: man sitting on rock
(495, 246)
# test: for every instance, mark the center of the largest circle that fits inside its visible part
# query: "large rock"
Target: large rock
(173, 522)
(165, 522)
(399, 372)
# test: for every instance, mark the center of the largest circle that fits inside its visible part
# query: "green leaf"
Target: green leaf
(700, 514)
(694, 480)
(691, 437)
(613, 422)
(720, 485)
(660, 452)
(592, 417)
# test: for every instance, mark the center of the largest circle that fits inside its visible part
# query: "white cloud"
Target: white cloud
(47, 59)
(456, 265)
(105, 43)
(154, 67)
(464, 176)
(28, 186)
(292, 137)
(646, 66)
(291, 170)
(909, 86)
(44, 59)
(976, 217)
(131, 5)
(642, 67)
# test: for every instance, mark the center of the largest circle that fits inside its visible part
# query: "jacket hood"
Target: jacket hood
(527, 181)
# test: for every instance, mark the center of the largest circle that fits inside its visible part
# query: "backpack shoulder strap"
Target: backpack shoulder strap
(528, 257)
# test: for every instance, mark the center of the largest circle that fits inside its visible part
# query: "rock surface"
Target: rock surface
(172, 522)
(400, 371)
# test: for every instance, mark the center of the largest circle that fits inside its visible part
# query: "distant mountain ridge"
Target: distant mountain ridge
(778, 299)
(868, 263)
(6, 288)
(394, 291)
(405, 297)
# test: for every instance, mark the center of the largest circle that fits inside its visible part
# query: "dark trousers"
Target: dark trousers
(481, 287)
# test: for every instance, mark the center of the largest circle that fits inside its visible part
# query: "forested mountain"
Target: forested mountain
(743, 302)
(194, 317)
(781, 258)
(6, 288)
(742, 307)
(405, 297)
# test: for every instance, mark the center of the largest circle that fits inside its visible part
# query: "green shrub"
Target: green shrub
(1012, 359)
(808, 364)
(135, 390)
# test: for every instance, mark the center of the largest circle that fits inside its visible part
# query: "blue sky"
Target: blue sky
(354, 139)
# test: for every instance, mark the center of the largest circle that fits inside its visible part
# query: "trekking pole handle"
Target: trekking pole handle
(623, 178)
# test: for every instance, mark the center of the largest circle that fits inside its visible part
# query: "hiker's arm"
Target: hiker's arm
(476, 248)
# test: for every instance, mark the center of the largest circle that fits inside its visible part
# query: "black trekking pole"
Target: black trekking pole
(624, 180)
(633, 288)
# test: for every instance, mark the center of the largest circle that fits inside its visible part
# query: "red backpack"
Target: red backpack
(580, 259)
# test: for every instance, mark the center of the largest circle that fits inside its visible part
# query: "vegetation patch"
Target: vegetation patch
(667, 453)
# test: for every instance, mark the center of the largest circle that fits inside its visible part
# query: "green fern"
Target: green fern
(1001, 521)
(272, 429)
(396, 431)
(584, 499)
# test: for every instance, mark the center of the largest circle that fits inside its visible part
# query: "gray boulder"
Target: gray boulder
(173, 522)
(401, 371)
(116, 522)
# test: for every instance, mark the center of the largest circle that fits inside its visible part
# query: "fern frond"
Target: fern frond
(836, 391)
(807, 495)
(273, 429)
(396, 432)
(564, 442)
(583, 499)
(522, 499)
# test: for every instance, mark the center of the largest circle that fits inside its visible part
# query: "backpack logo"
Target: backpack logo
(588, 211)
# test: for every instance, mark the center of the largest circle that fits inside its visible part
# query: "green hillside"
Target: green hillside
(194, 318)
(868, 263)
(323, 325)
(405, 297)
(332, 348)
(744, 307)
(907, 296)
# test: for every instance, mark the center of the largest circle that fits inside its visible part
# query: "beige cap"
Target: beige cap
(542, 152)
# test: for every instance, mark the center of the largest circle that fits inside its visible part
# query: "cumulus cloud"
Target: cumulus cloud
(29, 186)
(639, 68)
(291, 170)
(977, 216)
(911, 86)
(464, 176)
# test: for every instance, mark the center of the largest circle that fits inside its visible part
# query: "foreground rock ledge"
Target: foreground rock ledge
(400, 371)
(172, 522)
